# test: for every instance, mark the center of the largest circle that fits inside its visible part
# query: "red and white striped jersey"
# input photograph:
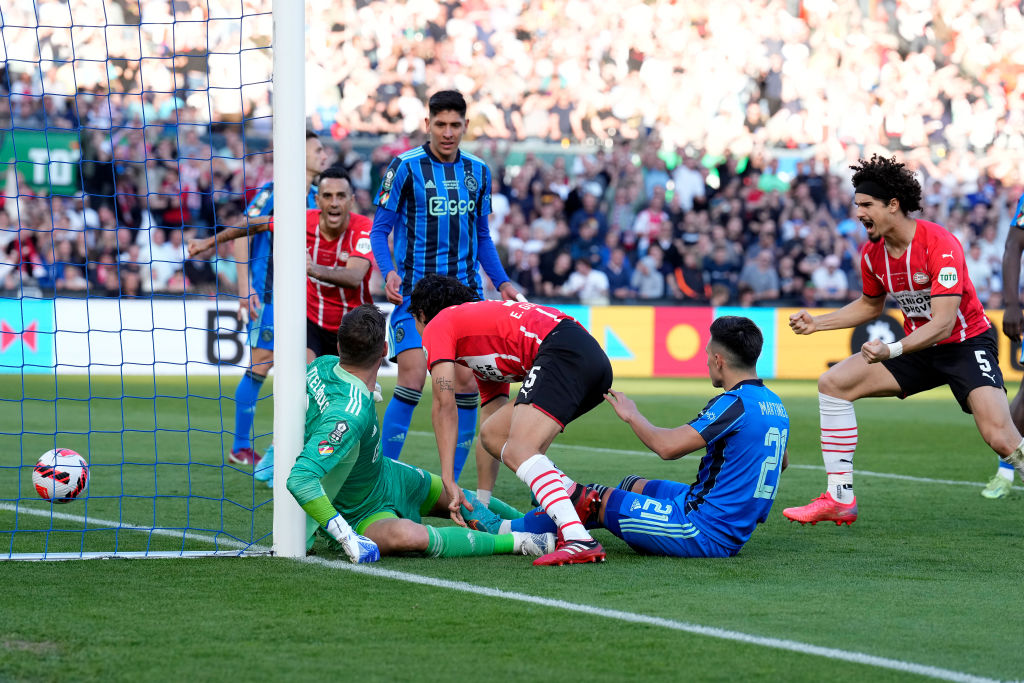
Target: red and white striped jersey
(327, 303)
(497, 340)
(933, 265)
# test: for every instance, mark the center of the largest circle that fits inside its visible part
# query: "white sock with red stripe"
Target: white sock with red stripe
(838, 442)
(545, 480)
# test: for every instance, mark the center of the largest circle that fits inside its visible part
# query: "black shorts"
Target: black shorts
(320, 341)
(570, 375)
(964, 366)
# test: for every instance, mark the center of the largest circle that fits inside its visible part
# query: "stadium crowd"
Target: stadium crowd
(683, 120)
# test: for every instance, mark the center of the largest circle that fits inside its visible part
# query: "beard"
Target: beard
(875, 238)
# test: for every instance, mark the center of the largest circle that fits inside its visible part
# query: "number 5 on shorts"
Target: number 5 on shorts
(982, 361)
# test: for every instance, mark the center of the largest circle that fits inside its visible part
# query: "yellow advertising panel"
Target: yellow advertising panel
(625, 334)
(806, 357)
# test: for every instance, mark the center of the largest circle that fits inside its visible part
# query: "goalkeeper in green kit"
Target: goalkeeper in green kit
(372, 505)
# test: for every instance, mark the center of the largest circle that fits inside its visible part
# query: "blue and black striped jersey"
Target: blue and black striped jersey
(261, 254)
(440, 205)
(746, 430)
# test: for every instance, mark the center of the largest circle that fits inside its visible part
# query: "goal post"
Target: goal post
(125, 129)
(290, 268)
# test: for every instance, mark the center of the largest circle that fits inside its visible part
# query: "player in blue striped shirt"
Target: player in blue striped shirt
(1001, 484)
(256, 288)
(435, 200)
(744, 432)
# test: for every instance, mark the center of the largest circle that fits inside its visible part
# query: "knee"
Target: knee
(633, 483)
(493, 437)
(404, 536)
(827, 385)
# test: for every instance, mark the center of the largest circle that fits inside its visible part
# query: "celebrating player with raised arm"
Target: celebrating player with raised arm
(338, 258)
(949, 340)
(435, 200)
(371, 505)
(564, 372)
(338, 262)
(744, 432)
(255, 287)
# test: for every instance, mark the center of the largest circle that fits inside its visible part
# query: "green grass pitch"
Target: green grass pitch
(925, 583)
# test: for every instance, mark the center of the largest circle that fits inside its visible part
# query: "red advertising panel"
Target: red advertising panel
(680, 335)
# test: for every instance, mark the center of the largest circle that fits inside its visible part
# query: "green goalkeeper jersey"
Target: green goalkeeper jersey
(341, 458)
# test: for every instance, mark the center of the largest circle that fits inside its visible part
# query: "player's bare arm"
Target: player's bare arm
(445, 419)
(1013, 320)
(243, 228)
(856, 312)
(348, 276)
(669, 443)
(249, 301)
(944, 309)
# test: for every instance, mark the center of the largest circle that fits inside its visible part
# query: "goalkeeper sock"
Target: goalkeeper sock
(503, 509)
(838, 443)
(246, 394)
(455, 541)
(545, 480)
(466, 405)
(397, 418)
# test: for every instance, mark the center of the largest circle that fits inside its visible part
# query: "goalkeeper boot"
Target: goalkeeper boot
(481, 518)
(572, 552)
(998, 487)
(533, 544)
(244, 456)
(265, 467)
(824, 508)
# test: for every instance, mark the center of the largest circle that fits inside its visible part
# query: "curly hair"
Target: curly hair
(434, 293)
(891, 177)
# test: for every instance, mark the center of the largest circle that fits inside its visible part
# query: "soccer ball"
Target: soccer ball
(60, 475)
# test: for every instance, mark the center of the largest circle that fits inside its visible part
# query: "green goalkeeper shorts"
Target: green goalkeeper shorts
(402, 492)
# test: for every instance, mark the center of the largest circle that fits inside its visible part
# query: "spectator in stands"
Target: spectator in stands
(620, 275)
(759, 278)
(557, 275)
(687, 280)
(830, 283)
(588, 244)
(979, 269)
(720, 269)
(688, 181)
(587, 283)
(589, 211)
(648, 280)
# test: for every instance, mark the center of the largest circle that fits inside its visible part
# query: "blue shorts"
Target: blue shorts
(261, 328)
(402, 334)
(656, 523)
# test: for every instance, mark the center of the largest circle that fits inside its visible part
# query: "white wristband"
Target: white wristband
(895, 349)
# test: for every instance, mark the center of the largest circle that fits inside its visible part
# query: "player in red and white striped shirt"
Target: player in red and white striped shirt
(564, 372)
(948, 338)
(338, 262)
(338, 259)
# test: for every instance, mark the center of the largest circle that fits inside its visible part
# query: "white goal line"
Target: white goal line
(238, 548)
(631, 617)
